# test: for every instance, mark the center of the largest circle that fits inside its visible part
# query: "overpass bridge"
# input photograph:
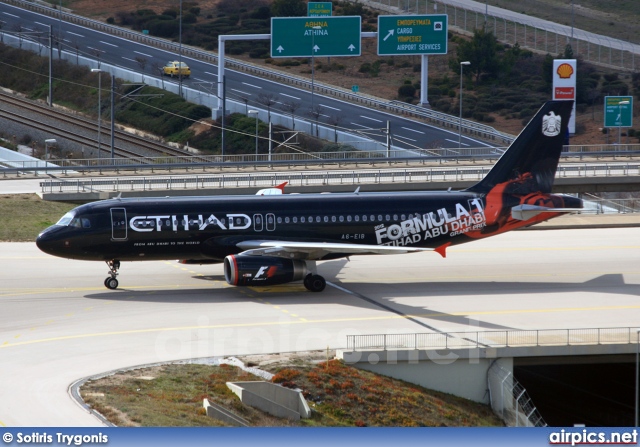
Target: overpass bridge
(587, 177)
(482, 365)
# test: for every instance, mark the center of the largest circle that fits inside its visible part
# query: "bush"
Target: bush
(407, 90)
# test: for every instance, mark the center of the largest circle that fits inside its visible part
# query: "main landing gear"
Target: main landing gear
(111, 282)
(314, 283)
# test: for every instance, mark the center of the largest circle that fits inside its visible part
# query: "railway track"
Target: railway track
(83, 131)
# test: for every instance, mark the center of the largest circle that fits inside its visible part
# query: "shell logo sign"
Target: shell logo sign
(565, 71)
(564, 85)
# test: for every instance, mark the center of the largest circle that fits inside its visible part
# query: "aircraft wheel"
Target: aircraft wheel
(315, 283)
(111, 283)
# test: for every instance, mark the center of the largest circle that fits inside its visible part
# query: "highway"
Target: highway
(60, 324)
(123, 53)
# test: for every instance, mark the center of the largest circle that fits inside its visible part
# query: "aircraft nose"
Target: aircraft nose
(48, 241)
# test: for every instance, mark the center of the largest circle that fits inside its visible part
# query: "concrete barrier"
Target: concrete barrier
(222, 414)
(273, 399)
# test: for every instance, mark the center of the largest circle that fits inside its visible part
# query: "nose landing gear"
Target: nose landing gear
(111, 282)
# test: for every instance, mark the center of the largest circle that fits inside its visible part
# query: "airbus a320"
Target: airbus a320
(276, 239)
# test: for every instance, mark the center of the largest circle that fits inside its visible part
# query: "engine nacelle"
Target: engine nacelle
(262, 271)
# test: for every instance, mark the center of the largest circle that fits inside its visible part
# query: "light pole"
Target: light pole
(462, 64)
(180, 53)
(313, 62)
(251, 112)
(46, 148)
(620, 104)
(97, 70)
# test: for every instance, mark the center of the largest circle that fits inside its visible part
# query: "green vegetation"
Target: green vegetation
(75, 87)
(618, 19)
(339, 395)
(26, 215)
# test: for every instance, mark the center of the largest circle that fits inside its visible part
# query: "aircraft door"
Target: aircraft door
(118, 224)
(257, 222)
(271, 222)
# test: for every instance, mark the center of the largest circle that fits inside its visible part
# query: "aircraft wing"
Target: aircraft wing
(318, 250)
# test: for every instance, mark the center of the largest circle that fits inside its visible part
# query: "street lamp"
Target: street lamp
(47, 142)
(251, 112)
(97, 70)
(620, 104)
(313, 63)
(462, 64)
(180, 53)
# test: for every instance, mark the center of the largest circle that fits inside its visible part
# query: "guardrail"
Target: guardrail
(470, 128)
(494, 339)
(325, 178)
(528, 32)
(423, 156)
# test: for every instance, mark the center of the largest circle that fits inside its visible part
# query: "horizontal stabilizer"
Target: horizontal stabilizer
(526, 212)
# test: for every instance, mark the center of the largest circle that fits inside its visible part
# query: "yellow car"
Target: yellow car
(175, 68)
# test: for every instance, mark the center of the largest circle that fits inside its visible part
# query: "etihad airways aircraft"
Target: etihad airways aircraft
(276, 239)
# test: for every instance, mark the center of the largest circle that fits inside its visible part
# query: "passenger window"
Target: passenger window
(318, 219)
(286, 220)
(387, 218)
(295, 220)
(364, 218)
(349, 218)
(356, 218)
(395, 217)
(302, 219)
(341, 218)
(373, 218)
(333, 218)
(380, 217)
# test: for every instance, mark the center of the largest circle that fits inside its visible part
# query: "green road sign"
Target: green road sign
(355, 88)
(617, 114)
(399, 35)
(310, 36)
(319, 9)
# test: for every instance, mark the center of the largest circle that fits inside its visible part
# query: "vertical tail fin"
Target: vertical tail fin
(534, 153)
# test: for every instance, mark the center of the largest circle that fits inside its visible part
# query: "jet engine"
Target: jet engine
(243, 270)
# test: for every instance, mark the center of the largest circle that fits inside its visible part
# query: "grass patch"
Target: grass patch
(339, 395)
(26, 215)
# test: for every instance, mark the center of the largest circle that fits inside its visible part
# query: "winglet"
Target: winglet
(281, 186)
(442, 250)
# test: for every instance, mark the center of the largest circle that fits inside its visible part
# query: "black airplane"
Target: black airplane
(276, 239)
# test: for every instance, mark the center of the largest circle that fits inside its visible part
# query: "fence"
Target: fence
(493, 339)
(528, 32)
(510, 400)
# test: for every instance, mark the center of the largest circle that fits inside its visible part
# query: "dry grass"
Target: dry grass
(339, 395)
(26, 215)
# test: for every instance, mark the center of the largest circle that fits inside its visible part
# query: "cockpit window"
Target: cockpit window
(68, 220)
